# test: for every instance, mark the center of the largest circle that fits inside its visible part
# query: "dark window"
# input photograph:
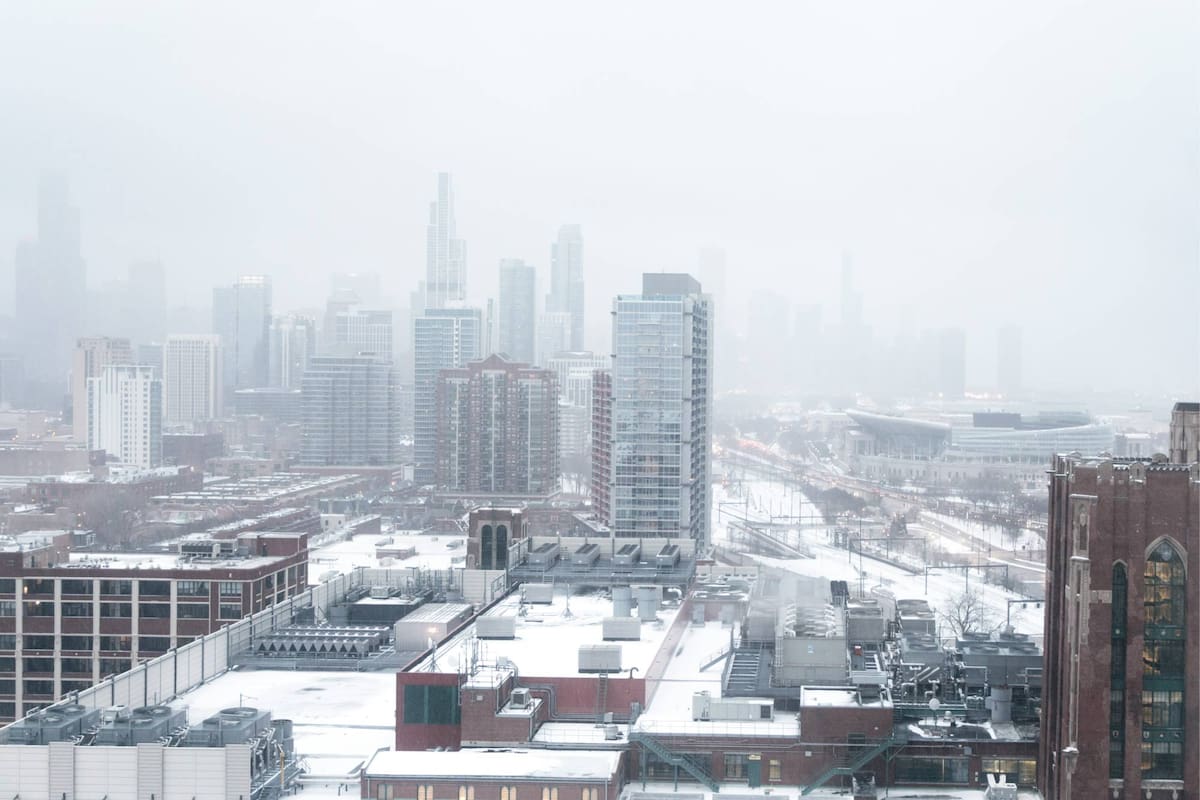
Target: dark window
(735, 766)
(115, 644)
(76, 609)
(113, 610)
(8, 641)
(154, 588)
(8, 586)
(230, 611)
(8, 686)
(485, 547)
(40, 586)
(1116, 699)
(39, 687)
(39, 641)
(192, 610)
(42, 608)
(8, 710)
(77, 666)
(192, 588)
(76, 587)
(76, 643)
(116, 587)
(501, 546)
(154, 610)
(154, 644)
(75, 686)
(431, 705)
(45, 665)
(8, 664)
(1162, 760)
(114, 666)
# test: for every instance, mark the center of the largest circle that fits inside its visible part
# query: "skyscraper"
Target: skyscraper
(1008, 361)
(363, 331)
(574, 373)
(242, 318)
(1120, 714)
(602, 441)
(497, 428)
(566, 281)
(518, 310)
(350, 411)
(662, 410)
(443, 338)
(50, 294)
(125, 415)
(92, 355)
(293, 341)
(192, 375)
(445, 254)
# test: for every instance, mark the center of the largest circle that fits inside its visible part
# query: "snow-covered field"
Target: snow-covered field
(941, 587)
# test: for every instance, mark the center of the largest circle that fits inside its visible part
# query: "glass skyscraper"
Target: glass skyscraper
(661, 410)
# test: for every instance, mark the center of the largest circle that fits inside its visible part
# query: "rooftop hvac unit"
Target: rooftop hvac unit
(611, 733)
(496, 627)
(596, 658)
(381, 592)
(519, 698)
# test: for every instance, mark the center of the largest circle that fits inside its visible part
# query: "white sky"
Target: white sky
(1034, 162)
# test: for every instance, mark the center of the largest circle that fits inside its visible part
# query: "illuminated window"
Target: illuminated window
(466, 793)
(1163, 661)
(775, 770)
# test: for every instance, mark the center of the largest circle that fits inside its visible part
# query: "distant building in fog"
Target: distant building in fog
(497, 428)
(1008, 361)
(350, 411)
(445, 253)
(553, 335)
(443, 338)
(1185, 433)
(566, 283)
(574, 373)
(602, 439)
(125, 415)
(363, 331)
(50, 295)
(518, 310)
(242, 318)
(192, 374)
(292, 342)
(92, 355)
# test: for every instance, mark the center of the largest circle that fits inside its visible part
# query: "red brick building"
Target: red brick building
(1121, 699)
(69, 620)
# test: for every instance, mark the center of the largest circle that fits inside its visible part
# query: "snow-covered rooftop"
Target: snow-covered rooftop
(548, 638)
(339, 718)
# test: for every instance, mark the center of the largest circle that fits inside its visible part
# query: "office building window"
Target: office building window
(1163, 659)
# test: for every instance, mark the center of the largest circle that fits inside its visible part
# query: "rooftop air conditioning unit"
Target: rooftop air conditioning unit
(519, 698)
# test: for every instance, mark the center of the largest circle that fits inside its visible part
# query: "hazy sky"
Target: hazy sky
(1034, 162)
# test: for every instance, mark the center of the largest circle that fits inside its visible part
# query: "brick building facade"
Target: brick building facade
(1121, 703)
(67, 622)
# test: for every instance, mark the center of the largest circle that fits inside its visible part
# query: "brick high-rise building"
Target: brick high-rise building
(602, 444)
(1121, 696)
(497, 428)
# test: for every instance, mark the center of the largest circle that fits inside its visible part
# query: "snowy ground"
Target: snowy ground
(941, 587)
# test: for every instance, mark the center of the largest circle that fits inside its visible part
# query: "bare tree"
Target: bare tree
(967, 612)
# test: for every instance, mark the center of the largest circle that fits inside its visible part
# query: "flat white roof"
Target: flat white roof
(103, 560)
(468, 764)
(548, 638)
(339, 718)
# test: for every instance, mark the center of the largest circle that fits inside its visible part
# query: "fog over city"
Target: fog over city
(1032, 165)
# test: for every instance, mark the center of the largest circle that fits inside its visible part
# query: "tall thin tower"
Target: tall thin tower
(445, 254)
(566, 280)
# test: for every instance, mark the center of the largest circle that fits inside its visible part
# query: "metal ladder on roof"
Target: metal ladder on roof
(601, 697)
